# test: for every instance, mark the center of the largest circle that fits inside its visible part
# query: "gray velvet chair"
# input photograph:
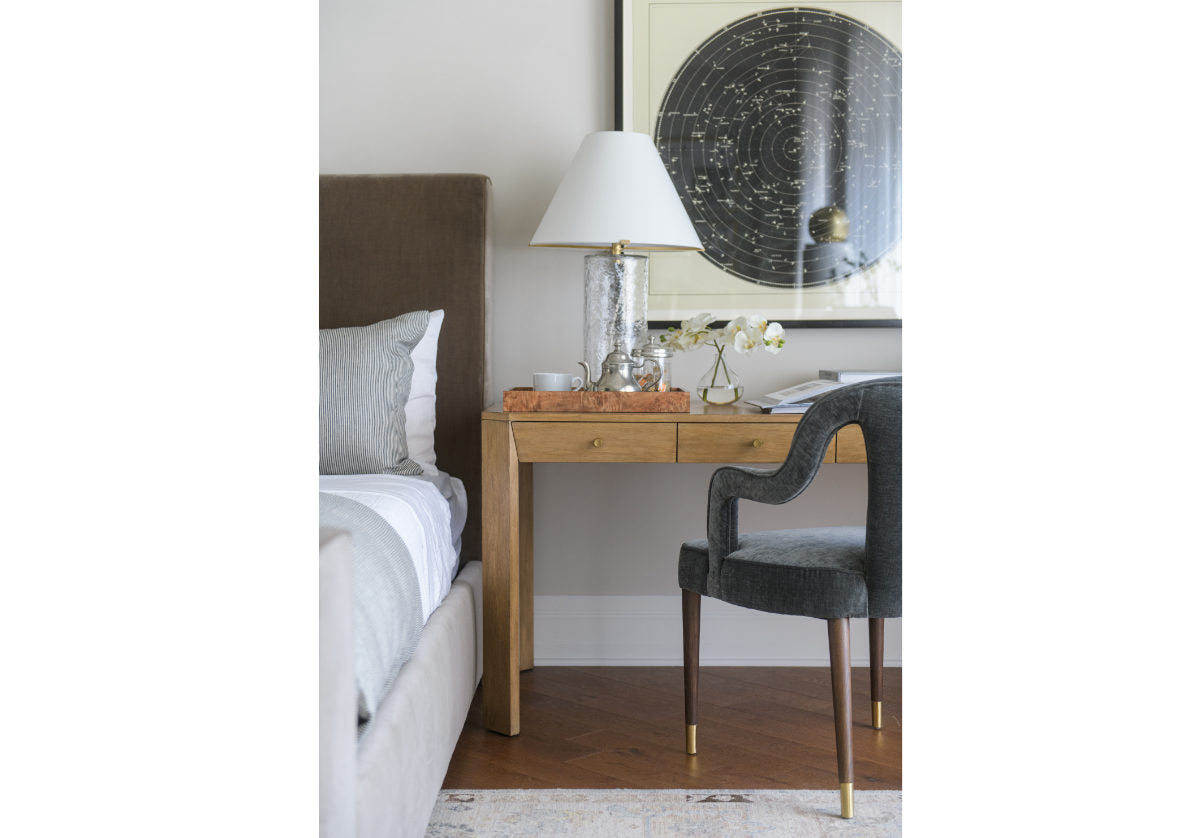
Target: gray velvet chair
(833, 573)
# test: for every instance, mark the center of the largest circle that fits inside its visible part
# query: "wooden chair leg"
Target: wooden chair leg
(875, 625)
(691, 664)
(839, 665)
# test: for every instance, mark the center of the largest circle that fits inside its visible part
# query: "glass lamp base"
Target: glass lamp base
(616, 293)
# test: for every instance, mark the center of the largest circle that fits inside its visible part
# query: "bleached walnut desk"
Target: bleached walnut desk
(513, 442)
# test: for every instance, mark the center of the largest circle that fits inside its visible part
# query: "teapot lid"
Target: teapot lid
(654, 350)
(618, 356)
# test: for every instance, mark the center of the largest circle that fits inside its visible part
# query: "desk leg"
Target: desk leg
(525, 522)
(501, 579)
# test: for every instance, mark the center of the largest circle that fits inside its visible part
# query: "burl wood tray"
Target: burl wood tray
(528, 400)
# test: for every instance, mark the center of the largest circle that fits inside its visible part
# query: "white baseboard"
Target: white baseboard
(648, 631)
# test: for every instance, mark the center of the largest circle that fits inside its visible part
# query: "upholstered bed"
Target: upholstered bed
(392, 245)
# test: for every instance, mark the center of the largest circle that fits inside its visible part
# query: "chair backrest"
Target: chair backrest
(876, 407)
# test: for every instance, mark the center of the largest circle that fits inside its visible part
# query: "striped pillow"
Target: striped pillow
(366, 373)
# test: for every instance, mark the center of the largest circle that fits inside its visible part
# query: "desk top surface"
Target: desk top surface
(699, 412)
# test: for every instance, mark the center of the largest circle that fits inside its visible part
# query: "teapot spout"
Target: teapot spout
(588, 383)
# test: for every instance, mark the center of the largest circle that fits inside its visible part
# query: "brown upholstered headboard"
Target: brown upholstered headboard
(397, 243)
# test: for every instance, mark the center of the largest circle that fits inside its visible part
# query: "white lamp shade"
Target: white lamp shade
(617, 189)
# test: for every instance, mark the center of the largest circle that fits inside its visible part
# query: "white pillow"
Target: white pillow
(421, 408)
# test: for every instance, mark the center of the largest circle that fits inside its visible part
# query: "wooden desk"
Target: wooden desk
(513, 442)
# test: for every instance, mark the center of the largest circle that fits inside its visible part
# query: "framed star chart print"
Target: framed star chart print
(780, 126)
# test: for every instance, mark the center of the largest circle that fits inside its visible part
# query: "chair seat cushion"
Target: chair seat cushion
(814, 572)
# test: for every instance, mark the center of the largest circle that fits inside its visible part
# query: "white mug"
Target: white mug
(556, 381)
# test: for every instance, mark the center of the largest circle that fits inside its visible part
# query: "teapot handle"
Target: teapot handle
(651, 386)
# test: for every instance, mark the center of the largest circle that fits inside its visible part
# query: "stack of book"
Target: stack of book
(797, 398)
(855, 376)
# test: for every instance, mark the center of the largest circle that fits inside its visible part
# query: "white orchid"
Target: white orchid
(690, 334)
(747, 334)
(698, 323)
(728, 335)
(773, 338)
(744, 334)
(747, 340)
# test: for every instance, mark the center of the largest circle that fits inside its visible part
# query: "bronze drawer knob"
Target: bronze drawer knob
(758, 443)
(597, 442)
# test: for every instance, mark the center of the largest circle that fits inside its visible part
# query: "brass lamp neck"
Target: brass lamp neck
(618, 248)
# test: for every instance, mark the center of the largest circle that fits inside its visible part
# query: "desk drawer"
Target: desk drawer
(736, 442)
(595, 442)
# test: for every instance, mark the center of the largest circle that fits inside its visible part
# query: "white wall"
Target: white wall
(509, 89)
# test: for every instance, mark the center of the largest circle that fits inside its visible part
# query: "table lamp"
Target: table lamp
(616, 197)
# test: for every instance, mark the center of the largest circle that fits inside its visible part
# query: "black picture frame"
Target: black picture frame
(623, 26)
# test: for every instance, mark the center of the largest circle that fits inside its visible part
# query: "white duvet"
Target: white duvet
(419, 513)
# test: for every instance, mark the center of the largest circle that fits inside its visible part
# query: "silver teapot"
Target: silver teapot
(617, 373)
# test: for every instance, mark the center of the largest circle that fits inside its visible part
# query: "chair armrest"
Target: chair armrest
(731, 483)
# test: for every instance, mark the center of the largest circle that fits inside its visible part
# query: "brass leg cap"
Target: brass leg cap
(691, 739)
(877, 715)
(847, 800)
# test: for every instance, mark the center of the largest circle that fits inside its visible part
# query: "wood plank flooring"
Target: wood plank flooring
(622, 727)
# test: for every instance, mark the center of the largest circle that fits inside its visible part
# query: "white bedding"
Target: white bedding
(428, 515)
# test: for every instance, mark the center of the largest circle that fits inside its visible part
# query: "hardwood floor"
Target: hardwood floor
(622, 727)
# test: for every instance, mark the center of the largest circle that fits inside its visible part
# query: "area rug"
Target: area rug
(634, 813)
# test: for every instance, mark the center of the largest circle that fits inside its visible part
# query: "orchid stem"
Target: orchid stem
(718, 365)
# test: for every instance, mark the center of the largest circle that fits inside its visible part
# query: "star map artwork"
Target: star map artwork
(779, 117)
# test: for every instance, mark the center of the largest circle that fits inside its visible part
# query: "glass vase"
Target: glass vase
(720, 384)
